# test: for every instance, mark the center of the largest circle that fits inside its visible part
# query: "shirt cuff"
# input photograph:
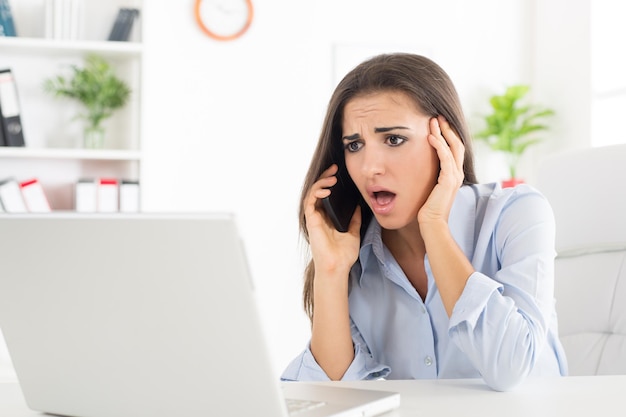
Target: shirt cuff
(471, 304)
(363, 367)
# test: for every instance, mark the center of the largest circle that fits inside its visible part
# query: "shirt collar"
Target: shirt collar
(463, 217)
(372, 243)
(462, 227)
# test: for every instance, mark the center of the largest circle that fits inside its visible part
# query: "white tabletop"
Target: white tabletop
(592, 396)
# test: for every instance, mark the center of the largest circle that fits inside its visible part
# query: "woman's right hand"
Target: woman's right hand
(333, 251)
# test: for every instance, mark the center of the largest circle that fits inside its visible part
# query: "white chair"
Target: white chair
(587, 190)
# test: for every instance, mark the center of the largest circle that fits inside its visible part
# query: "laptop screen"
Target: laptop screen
(132, 314)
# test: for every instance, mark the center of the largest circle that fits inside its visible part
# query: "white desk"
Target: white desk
(592, 396)
(596, 396)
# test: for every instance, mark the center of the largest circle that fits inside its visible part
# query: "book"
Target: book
(131, 16)
(63, 19)
(76, 19)
(123, 24)
(7, 25)
(34, 196)
(10, 119)
(116, 29)
(2, 141)
(58, 14)
(48, 19)
(108, 197)
(129, 196)
(86, 195)
(11, 196)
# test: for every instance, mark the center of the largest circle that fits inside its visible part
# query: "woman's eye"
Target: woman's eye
(352, 146)
(395, 140)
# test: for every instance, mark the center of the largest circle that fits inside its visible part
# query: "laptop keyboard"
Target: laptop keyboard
(295, 406)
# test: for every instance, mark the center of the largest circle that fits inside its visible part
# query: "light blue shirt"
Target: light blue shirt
(503, 327)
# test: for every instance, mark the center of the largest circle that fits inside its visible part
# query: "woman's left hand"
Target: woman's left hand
(451, 152)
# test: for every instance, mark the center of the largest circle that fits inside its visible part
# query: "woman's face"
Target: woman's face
(388, 155)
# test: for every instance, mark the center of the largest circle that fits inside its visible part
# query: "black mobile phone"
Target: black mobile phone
(342, 201)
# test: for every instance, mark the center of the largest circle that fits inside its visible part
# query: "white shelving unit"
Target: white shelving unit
(53, 136)
(71, 154)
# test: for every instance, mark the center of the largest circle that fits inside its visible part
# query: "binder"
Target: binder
(86, 195)
(49, 19)
(2, 141)
(108, 195)
(117, 29)
(123, 24)
(11, 196)
(59, 10)
(7, 25)
(34, 196)
(129, 196)
(10, 110)
(131, 15)
(76, 19)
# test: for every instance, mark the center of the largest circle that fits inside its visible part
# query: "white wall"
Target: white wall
(231, 126)
(608, 70)
(562, 68)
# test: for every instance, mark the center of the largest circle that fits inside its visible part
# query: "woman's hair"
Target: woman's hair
(422, 80)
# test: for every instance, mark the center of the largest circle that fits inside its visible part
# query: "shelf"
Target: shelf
(55, 47)
(53, 153)
(76, 154)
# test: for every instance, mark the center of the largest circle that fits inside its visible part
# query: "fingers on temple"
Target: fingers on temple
(452, 139)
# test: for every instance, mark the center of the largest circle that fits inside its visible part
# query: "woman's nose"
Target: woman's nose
(373, 163)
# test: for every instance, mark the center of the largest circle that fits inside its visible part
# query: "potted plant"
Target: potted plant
(98, 89)
(512, 125)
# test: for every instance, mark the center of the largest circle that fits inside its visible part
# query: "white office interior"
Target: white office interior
(231, 125)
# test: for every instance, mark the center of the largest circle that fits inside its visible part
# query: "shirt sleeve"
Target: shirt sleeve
(502, 322)
(363, 367)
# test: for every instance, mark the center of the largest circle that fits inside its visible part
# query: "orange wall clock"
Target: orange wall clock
(224, 20)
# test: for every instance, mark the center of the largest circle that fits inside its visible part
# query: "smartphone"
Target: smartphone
(342, 201)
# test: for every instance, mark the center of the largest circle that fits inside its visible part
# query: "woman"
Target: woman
(437, 276)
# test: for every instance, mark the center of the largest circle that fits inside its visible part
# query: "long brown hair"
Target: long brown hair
(422, 80)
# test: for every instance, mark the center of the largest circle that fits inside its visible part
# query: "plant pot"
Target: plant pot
(93, 137)
(512, 182)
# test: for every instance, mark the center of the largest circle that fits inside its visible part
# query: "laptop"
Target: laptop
(133, 315)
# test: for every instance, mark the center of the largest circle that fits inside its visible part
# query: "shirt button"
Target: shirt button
(428, 360)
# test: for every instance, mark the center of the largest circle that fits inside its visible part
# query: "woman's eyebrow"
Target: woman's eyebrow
(351, 137)
(389, 129)
(376, 130)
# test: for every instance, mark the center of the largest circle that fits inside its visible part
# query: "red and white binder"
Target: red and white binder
(108, 195)
(11, 196)
(34, 196)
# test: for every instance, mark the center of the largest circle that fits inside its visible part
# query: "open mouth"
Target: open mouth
(383, 198)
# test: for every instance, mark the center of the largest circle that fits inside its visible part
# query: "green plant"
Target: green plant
(511, 125)
(95, 86)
